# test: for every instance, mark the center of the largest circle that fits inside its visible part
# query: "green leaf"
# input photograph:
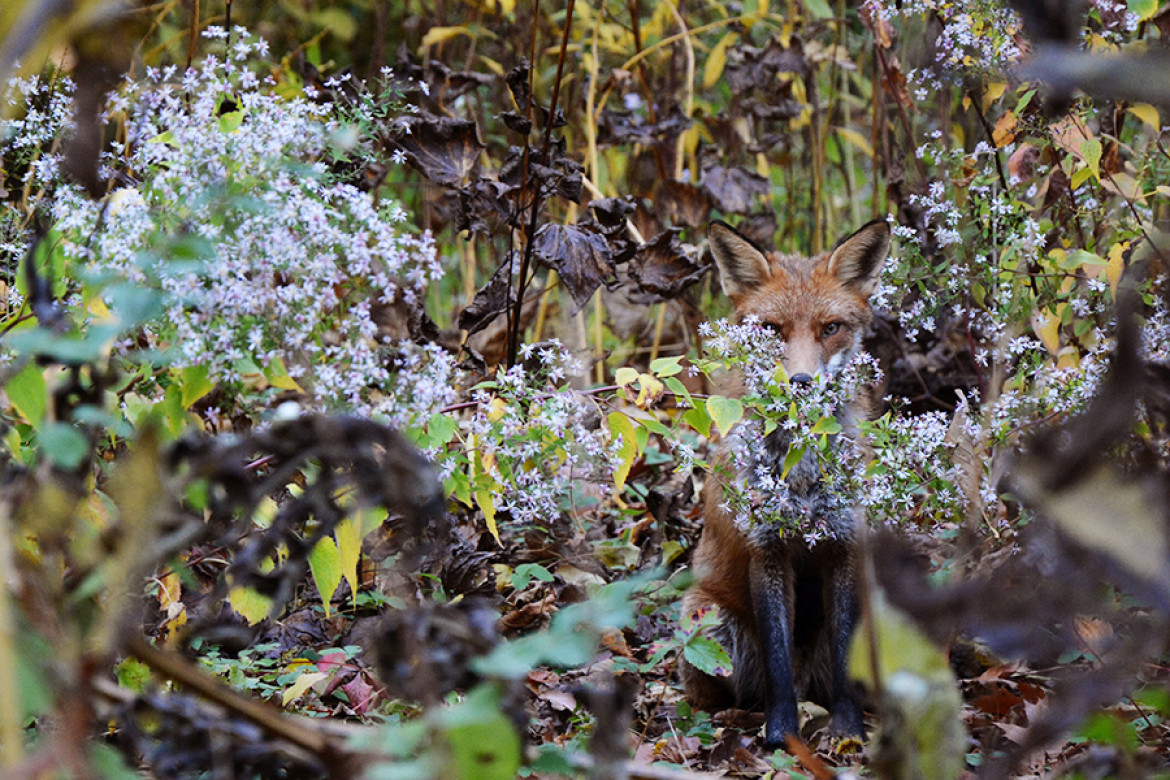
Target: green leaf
(132, 674)
(1143, 8)
(1079, 258)
(29, 393)
(920, 692)
(1091, 152)
(525, 572)
(698, 418)
(826, 425)
(108, 763)
(708, 656)
(819, 8)
(1108, 729)
(325, 564)
(195, 383)
(440, 430)
(483, 740)
(725, 412)
(63, 444)
(231, 121)
(795, 453)
(667, 366)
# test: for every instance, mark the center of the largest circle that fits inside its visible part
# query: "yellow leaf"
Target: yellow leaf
(301, 686)
(1146, 113)
(441, 34)
(325, 565)
(856, 138)
(487, 504)
(1116, 264)
(622, 431)
(97, 307)
(170, 592)
(277, 376)
(717, 60)
(496, 409)
(1068, 358)
(651, 391)
(249, 604)
(1046, 325)
(993, 92)
(625, 375)
(349, 548)
(492, 65)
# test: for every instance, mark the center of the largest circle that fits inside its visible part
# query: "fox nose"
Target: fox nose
(801, 379)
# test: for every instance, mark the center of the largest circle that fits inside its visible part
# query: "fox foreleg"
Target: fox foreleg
(773, 600)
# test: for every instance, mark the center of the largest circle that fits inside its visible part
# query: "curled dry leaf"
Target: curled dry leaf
(581, 257)
(683, 203)
(444, 149)
(734, 190)
(493, 299)
(625, 127)
(662, 269)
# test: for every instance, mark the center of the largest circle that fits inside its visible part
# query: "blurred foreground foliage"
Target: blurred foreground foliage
(251, 270)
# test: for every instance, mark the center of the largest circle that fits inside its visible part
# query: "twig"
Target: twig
(807, 758)
(182, 671)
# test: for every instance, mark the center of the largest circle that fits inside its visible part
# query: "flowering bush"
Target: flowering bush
(291, 261)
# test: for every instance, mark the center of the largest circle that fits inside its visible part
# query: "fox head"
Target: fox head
(819, 306)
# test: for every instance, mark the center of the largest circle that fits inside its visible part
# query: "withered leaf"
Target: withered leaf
(661, 267)
(611, 213)
(683, 203)
(580, 256)
(517, 81)
(558, 174)
(759, 227)
(491, 300)
(624, 127)
(734, 190)
(480, 206)
(444, 149)
(517, 123)
(750, 69)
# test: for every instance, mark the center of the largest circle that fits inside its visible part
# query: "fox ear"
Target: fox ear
(742, 266)
(857, 259)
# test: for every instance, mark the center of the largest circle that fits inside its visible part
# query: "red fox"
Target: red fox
(787, 607)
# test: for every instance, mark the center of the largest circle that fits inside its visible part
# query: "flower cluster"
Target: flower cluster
(793, 460)
(536, 448)
(976, 36)
(290, 263)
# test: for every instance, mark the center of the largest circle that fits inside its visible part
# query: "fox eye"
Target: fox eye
(830, 329)
(774, 327)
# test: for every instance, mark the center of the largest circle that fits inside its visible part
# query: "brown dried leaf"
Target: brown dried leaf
(734, 190)
(1022, 163)
(662, 269)
(492, 299)
(581, 257)
(968, 466)
(444, 149)
(683, 203)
